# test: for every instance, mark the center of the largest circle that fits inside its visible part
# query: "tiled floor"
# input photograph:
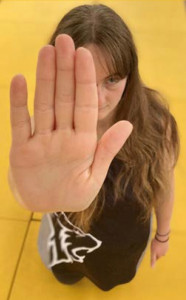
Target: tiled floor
(159, 29)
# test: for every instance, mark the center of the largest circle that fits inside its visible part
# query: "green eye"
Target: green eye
(113, 80)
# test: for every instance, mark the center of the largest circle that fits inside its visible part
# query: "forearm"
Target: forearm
(165, 209)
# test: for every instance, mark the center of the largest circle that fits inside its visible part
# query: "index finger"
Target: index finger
(86, 98)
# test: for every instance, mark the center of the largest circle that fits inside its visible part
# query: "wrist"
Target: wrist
(162, 237)
(161, 240)
(161, 234)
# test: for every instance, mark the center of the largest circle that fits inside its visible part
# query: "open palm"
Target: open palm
(61, 166)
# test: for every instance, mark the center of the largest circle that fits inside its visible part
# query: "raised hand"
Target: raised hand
(61, 166)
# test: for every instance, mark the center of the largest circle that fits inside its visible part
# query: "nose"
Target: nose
(99, 90)
(99, 87)
(101, 96)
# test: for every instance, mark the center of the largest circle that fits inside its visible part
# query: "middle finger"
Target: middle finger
(64, 97)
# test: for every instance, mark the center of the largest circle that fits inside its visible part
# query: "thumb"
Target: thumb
(108, 146)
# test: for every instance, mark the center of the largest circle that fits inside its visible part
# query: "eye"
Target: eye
(111, 80)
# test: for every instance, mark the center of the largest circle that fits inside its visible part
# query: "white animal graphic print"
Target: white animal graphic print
(60, 245)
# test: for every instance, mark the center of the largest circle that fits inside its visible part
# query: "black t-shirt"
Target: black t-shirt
(109, 253)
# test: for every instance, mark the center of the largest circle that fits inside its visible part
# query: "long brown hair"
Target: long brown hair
(154, 140)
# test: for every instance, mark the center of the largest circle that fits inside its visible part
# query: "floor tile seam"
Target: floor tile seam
(14, 219)
(19, 258)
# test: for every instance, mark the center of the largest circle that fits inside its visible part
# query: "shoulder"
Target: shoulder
(157, 103)
(163, 124)
(159, 111)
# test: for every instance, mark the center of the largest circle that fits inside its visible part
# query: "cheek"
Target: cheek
(122, 86)
(115, 95)
(120, 90)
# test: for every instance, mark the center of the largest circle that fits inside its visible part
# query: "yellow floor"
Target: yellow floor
(159, 29)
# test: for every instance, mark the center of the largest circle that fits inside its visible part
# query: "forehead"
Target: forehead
(102, 70)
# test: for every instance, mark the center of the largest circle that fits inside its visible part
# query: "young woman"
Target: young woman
(100, 155)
